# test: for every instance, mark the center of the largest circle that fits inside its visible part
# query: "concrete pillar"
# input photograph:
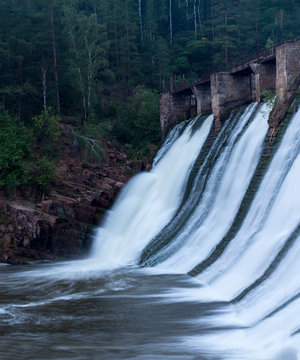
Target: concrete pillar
(287, 68)
(202, 93)
(173, 109)
(227, 92)
(265, 78)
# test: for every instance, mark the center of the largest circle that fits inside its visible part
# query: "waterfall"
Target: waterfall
(149, 200)
(224, 189)
(199, 212)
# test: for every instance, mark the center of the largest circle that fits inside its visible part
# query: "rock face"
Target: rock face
(60, 223)
(28, 233)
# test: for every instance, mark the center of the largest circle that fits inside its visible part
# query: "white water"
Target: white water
(186, 319)
(148, 202)
(268, 312)
(274, 214)
(223, 196)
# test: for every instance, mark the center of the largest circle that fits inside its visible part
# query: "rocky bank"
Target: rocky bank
(60, 223)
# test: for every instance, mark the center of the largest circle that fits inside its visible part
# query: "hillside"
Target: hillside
(59, 222)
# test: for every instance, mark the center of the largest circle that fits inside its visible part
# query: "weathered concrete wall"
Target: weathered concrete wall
(265, 78)
(202, 93)
(287, 68)
(243, 84)
(227, 92)
(175, 108)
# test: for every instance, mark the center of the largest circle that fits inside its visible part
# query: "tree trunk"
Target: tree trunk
(195, 20)
(187, 10)
(55, 61)
(281, 19)
(90, 78)
(95, 8)
(257, 41)
(171, 22)
(141, 20)
(116, 43)
(226, 40)
(20, 95)
(20, 108)
(44, 78)
(79, 76)
(199, 16)
(127, 44)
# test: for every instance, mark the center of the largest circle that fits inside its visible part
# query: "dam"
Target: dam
(274, 69)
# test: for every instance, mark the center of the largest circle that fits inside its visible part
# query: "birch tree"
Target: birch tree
(171, 22)
(195, 20)
(141, 20)
(54, 60)
(88, 46)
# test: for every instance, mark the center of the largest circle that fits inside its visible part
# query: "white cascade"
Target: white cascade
(273, 216)
(258, 270)
(147, 202)
(222, 196)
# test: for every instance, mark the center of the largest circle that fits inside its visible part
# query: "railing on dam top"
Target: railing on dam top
(177, 85)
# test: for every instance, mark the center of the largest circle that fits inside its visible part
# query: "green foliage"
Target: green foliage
(88, 142)
(42, 172)
(107, 47)
(88, 62)
(46, 126)
(137, 120)
(15, 141)
(269, 97)
(111, 59)
(269, 43)
(16, 165)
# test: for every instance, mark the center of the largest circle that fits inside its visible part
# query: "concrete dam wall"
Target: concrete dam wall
(277, 70)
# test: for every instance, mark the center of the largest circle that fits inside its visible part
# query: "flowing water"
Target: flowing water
(244, 301)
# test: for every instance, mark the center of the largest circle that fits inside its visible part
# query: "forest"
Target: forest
(103, 63)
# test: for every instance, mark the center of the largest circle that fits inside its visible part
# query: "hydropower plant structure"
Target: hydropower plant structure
(198, 259)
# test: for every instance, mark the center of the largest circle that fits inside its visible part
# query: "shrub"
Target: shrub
(137, 121)
(15, 141)
(46, 126)
(87, 141)
(42, 173)
(268, 96)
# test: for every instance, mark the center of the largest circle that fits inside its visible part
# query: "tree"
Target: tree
(88, 47)
(15, 140)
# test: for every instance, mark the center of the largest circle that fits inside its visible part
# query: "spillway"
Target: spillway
(197, 260)
(179, 218)
(149, 200)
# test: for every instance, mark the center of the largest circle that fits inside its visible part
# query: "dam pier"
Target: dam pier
(274, 69)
